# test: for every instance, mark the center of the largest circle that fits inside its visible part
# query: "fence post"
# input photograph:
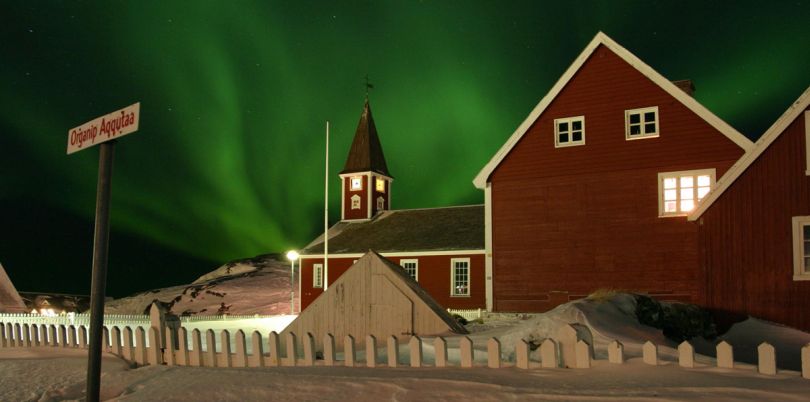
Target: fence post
(83, 338)
(329, 350)
(64, 340)
(309, 349)
(128, 352)
(182, 347)
(43, 334)
(140, 346)
(567, 338)
(257, 357)
(686, 355)
(105, 339)
(348, 351)
(291, 349)
(725, 355)
(52, 336)
(18, 335)
(393, 351)
(115, 342)
(26, 338)
(225, 349)
(371, 351)
(616, 352)
(168, 352)
(274, 349)
(211, 349)
(440, 348)
(650, 353)
(196, 357)
(240, 359)
(467, 352)
(34, 335)
(522, 354)
(548, 354)
(494, 353)
(766, 359)
(806, 361)
(583, 354)
(72, 342)
(154, 351)
(3, 335)
(416, 351)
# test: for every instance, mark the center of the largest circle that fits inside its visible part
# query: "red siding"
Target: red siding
(376, 194)
(568, 221)
(746, 238)
(434, 277)
(348, 212)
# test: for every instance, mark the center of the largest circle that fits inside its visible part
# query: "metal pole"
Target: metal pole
(326, 216)
(98, 287)
(292, 290)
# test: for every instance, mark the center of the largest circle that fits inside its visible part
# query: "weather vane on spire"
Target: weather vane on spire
(369, 86)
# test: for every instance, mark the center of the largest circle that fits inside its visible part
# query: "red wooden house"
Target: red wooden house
(441, 248)
(754, 228)
(593, 189)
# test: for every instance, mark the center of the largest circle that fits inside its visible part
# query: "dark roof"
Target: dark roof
(435, 229)
(366, 154)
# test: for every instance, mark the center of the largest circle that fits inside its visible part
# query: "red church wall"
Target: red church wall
(434, 277)
(568, 221)
(746, 236)
(348, 212)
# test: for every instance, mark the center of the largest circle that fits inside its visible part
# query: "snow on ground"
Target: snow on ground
(58, 374)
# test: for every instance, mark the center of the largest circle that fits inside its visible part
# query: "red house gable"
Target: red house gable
(574, 198)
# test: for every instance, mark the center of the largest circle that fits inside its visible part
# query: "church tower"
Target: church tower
(365, 181)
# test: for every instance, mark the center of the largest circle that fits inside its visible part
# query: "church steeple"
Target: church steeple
(365, 178)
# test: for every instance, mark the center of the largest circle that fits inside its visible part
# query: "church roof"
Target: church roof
(407, 230)
(366, 154)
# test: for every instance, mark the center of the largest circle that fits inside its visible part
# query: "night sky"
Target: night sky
(228, 161)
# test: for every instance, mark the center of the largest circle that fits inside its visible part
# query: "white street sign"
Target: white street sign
(105, 128)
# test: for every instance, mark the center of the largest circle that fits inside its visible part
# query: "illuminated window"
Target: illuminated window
(380, 203)
(569, 131)
(357, 183)
(411, 268)
(317, 276)
(641, 123)
(380, 185)
(679, 192)
(460, 277)
(355, 201)
(801, 248)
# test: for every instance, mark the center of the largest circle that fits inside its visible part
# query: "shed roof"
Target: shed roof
(433, 229)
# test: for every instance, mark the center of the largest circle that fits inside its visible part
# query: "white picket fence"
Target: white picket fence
(469, 315)
(144, 347)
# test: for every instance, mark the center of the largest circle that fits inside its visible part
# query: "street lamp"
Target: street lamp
(292, 255)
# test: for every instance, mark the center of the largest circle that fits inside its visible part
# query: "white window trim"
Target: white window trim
(641, 111)
(351, 183)
(799, 222)
(415, 261)
(712, 175)
(571, 142)
(453, 277)
(807, 141)
(317, 275)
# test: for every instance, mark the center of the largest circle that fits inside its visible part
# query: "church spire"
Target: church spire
(366, 154)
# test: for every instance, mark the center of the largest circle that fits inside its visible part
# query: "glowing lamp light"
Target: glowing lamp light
(292, 255)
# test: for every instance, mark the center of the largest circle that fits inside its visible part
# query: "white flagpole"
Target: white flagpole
(326, 216)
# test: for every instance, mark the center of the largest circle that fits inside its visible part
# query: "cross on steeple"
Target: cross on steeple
(368, 86)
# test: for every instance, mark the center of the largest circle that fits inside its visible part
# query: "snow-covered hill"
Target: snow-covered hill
(259, 285)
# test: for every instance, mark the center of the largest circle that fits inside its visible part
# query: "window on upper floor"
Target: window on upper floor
(459, 277)
(379, 185)
(569, 131)
(411, 267)
(801, 248)
(317, 276)
(357, 183)
(679, 192)
(641, 123)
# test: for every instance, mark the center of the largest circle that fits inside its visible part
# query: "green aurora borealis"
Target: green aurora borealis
(228, 161)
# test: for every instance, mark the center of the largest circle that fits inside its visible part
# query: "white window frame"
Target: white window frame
(685, 173)
(355, 201)
(453, 286)
(570, 142)
(800, 273)
(380, 203)
(359, 186)
(317, 275)
(415, 263)
(642, 123)
(807, 141)
(379, 185)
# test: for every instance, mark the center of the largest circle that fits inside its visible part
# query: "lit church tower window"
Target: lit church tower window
(365, 180)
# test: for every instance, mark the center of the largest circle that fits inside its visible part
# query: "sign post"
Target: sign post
(103, 130)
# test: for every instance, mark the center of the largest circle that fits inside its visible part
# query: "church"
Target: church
(442, 249)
